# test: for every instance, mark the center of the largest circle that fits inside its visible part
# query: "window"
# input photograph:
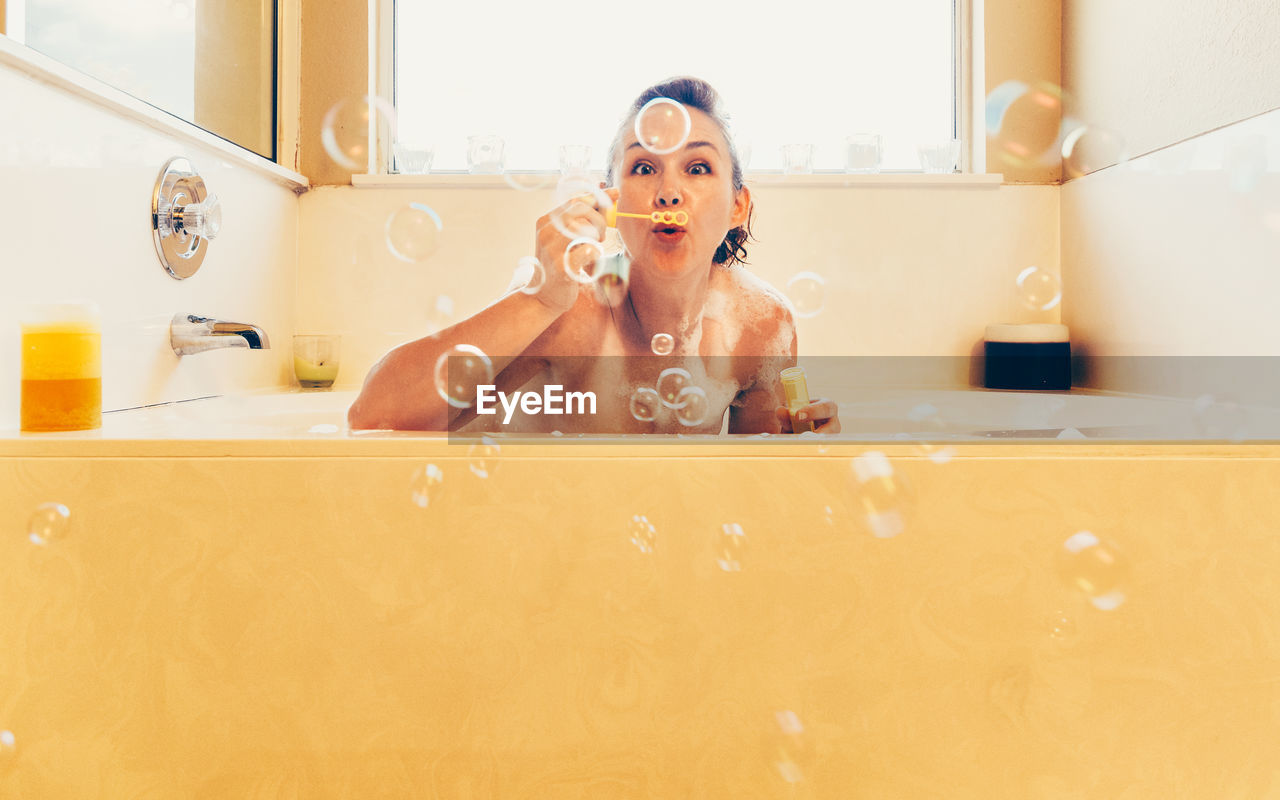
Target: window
(542, 75)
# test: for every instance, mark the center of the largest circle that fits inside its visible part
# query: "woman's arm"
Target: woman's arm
(400, 393)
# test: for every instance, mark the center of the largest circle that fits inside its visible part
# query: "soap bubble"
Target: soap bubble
(8, 749)
(691, 406)
(792, 750)
(530, 274)
(482, 457)
(580, 253)
(671, 382)
(1094, 567)
(929, 423)
(642, 533)
(1089, 148)
(662, 126)
(1061, 627)
(458, 371)
(808, 293)
(884, 497)
(1217, 417)
(1025, 122)
(439, 314)
(730, 546)
(49, 523)
(571, 188)
(528, 181)
(1039, 289)
(662, 344)
(345, 130)
(413, 232)
(612, 275)
(645, 404)
(425, 485)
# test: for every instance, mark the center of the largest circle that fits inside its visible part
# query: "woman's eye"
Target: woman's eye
(699, 169)
(642, 168)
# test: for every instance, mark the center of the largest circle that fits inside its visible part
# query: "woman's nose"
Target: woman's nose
(668, 196)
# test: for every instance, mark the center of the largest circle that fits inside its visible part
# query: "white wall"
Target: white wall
(1174, 253)
(910, 270)
(76, 176)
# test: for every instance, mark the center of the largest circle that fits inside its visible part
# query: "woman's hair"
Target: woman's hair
(694, 93)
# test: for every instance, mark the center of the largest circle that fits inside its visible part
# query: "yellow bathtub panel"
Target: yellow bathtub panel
(283, 626)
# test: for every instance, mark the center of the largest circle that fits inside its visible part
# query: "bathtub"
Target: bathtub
(882, 414)
(246, 600)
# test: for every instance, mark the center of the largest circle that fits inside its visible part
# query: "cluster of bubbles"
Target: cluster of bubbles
(425, 485)
(1094, 567)
(884, 497)
(642, 533)
(1029, 126)
(458, 371)
(730, 547)
(792, 749)
(1038, 289)
(808, 294)
(675, 390)
(427, 481)
(49, 523)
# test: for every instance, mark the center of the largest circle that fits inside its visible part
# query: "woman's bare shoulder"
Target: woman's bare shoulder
(762, 313)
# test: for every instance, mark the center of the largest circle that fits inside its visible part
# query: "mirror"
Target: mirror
(210, 63)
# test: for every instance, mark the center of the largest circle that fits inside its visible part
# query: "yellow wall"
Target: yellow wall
(254, 625)
(334, 65)
(1023, 43)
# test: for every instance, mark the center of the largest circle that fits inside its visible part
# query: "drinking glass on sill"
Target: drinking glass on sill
(940, 158)
(797, 159)
(575, 159)
(412, 158)
(484, 154)
(863, 153)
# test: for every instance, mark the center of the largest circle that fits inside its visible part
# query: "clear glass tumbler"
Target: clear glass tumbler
(939, 158)
(575, 159)
(797, 159)
(863, 153)
(413, 159)
(485, 154)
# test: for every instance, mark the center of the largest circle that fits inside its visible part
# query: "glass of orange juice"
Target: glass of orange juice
(61, 367)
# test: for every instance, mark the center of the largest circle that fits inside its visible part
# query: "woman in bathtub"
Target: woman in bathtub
(730, 330)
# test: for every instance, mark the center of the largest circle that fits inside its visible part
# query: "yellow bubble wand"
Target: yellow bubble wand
(680, 218)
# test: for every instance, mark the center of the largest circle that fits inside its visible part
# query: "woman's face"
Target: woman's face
(698, 179)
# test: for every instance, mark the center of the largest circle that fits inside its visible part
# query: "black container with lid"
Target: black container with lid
(1028, 356)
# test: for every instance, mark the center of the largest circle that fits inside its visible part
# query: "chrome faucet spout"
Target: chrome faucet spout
(190, 334)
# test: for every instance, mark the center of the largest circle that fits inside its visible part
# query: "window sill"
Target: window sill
(529, 181)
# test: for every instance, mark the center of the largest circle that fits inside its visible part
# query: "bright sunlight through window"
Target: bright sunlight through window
(542, 75)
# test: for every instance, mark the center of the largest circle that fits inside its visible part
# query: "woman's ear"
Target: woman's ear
(741, 207)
